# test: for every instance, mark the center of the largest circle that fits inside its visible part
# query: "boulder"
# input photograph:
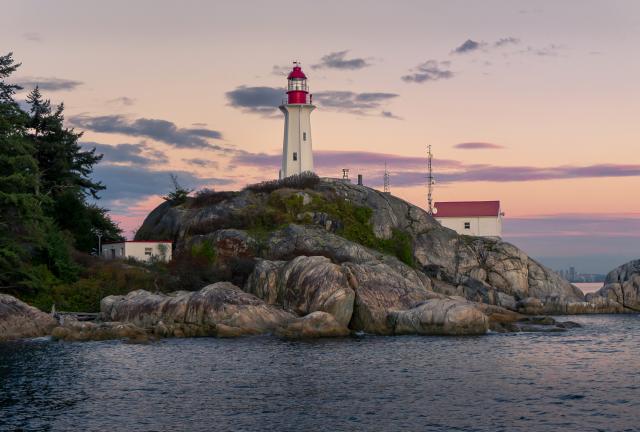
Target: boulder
(543, 324)
(315, 325)
(621, 289)
(380, 288)
(446, 316)
(530, 306)
(76, 331)
(19, 320)
(219, 309)
(304, 285)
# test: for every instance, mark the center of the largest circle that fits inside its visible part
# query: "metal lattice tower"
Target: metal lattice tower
(345, 174)
(386, 179)
(430, 181)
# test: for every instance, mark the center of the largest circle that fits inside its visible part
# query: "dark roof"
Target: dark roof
(467, 208)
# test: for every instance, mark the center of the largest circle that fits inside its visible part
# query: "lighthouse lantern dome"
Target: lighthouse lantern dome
(297, 89)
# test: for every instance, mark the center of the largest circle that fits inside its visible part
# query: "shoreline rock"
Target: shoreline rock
(18, 320)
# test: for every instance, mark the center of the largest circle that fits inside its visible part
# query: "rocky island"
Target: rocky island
(310, 257)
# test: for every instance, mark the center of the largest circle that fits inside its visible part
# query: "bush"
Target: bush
(99, 279)
(209, 197)
(305, 180)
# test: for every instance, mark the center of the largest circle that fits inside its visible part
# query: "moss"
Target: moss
(357, 227)
(205, 251)
(401, 245)
(285, 206)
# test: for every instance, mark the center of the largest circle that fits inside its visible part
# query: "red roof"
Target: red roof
(467, 208)
(297, 73)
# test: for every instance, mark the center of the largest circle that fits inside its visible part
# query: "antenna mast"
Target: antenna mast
(386, 179)
(430, 181)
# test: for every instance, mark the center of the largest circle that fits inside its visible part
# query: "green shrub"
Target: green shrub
(209, 197)
(204, 250)
(305, 180)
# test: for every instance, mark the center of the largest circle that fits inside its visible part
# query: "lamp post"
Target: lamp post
(99, 234)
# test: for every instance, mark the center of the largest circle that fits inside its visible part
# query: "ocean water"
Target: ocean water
(589, 287)
(586, 379)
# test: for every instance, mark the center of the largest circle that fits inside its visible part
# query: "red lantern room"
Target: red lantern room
(297, 89)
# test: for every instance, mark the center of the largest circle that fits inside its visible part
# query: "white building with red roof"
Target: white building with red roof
(475, 218)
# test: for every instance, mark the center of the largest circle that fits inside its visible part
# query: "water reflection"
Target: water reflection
(584, 379)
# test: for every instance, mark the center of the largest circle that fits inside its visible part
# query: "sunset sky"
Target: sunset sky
(536, 104)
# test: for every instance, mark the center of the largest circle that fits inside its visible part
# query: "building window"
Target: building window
(147, 251)
(295, 156)
(122, 252)
(304, 136)
(467, 225)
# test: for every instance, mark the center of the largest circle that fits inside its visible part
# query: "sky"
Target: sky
(535, 104)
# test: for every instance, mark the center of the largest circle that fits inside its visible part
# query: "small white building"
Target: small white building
(141, 250)
(475, 218)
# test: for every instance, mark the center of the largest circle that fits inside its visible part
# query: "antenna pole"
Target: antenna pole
(386, 179)
(430, 181)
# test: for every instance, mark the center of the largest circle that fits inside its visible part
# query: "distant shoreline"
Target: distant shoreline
(589, 287)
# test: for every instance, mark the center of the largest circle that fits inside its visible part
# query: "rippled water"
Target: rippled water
(586, 379)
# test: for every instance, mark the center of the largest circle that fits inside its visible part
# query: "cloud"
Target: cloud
(260, 100)
(431, 70)
(355, 103)
(337, 60)
(159, 130)
(470, 45)
(551, 50)
(281, 70)
(140, 154)
(126, 185)
(576, 225)
(477, 145)
(467, 47)
(593, 243)
(492, 173)
(389, 114)
(506, 41)
(49, 84)
(32, 36)
(329, 159)
(203, 163)
(123, 100)
(265, 100)
(411, 170)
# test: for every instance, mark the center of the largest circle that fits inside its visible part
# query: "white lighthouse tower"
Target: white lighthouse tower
(297, 156)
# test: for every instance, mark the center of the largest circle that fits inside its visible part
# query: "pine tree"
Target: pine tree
(64, 165)
(66, 175)
(22, 221)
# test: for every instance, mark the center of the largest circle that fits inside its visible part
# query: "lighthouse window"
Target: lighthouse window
(304, 136)
(467, 225)
(295, 156)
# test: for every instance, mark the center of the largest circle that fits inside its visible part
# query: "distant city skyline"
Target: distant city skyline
(532, 104)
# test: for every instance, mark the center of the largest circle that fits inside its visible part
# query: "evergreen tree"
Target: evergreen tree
(22, 223)
(66, 175)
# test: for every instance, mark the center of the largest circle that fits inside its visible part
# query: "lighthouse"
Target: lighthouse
(297, 156)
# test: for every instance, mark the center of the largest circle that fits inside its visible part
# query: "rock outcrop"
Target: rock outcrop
(440, 317)
(19, 320)
(621, 290)
(304, 285)
(315, 325)
(75, 331)
(482, 270)
(221, 309)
